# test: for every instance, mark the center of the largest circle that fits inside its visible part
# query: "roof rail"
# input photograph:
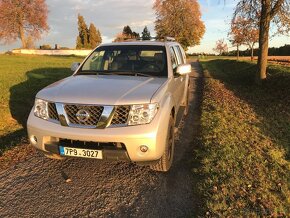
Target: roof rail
(171, 39)
(165, 39)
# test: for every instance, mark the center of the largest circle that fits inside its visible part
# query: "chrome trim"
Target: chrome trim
(106, 117)
(104, 121)
(63, 119)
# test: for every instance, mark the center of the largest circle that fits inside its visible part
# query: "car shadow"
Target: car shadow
(23, 94)
(22, 98)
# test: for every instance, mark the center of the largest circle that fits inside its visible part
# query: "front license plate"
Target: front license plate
(80, 152)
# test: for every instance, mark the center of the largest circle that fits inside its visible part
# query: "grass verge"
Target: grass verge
(243, 162)
(21, 77)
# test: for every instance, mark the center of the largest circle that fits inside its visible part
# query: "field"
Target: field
(243, 158)
(282, 60)
(21, 78)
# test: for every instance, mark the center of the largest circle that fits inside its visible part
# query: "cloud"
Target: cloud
(109, 16)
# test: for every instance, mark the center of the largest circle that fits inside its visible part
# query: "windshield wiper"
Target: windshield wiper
(99, 72)
(133, 73)
(94, 72)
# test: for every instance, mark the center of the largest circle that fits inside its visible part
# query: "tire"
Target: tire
(165, 162)
(187, 102)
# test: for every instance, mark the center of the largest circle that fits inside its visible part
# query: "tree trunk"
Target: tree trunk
(252, 53)
(22, 36)
(238, 52)
(264, 39)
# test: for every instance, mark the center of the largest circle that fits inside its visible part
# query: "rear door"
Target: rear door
(179, 81)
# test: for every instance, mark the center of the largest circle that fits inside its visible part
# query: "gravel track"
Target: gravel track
(40, 187)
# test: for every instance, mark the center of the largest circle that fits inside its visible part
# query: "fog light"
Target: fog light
(143, 148)
(33, 139)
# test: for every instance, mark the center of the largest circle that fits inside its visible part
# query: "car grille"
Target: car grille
(52, 112)
(95, 113)
(121, 115)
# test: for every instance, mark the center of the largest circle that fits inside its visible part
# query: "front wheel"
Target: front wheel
(165, 162)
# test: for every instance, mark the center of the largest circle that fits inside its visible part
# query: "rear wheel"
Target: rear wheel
(165, 162)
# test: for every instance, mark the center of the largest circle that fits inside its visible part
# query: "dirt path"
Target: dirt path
(36, 187)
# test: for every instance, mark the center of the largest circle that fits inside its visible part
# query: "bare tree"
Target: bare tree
(265, 12)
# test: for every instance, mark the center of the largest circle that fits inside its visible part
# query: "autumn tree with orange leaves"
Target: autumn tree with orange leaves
(221, 46)
(266, 12)
(180, 19)
(22, 19)
(244, 32)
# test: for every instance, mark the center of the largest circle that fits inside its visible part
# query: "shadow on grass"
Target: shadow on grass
(270, 101)
(22, 98)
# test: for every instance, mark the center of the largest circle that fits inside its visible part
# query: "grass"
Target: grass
(21, 77)
(243, 161)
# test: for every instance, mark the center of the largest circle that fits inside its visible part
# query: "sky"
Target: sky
(110, 16)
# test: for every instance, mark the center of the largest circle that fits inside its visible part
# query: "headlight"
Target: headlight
(142, 114)
(41, 109)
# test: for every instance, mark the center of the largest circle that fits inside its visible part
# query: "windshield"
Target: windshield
(127, 59)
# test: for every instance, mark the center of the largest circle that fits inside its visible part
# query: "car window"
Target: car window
(179, 54)
(173, 59)
(128, 58)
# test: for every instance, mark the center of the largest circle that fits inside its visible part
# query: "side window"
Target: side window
(179, 55)
(183, 54)
(173, 59)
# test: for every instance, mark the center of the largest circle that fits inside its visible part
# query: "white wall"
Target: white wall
(51, 52)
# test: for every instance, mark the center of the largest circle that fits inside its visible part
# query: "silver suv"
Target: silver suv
(122, 102)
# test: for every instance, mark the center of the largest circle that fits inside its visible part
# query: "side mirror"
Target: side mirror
(74, 66)
(183, 69)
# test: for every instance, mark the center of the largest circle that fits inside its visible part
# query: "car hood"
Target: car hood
(102, 89)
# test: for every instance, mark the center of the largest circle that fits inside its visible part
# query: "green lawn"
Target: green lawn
(243, 161)
(21, 77)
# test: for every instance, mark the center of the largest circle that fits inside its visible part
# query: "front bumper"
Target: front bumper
(152, 135)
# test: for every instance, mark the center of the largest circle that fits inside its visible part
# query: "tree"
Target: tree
(146, 34)
(135, 35)
(180, 19)
(94, 36)
(221, 46)
(120, 37)
(79, 43)
(244, 32)
(83, 37)
(23, 19)
(126, 34)
(236, 36)
(29, 42)
(127, 31)
(265, 12)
